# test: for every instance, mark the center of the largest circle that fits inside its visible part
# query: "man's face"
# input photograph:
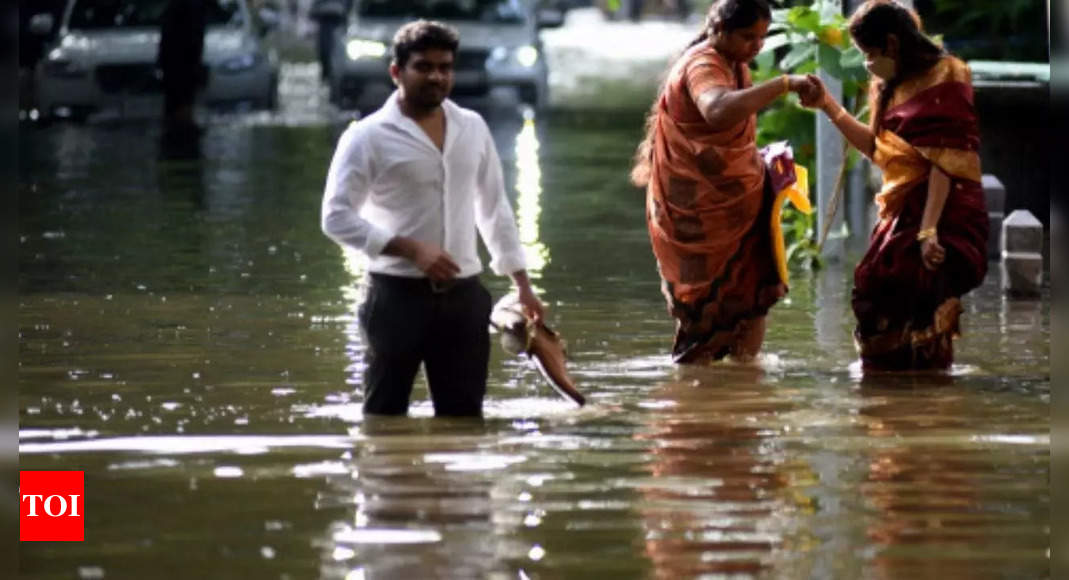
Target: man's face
(426, 79)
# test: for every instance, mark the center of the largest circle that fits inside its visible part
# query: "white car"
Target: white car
(500, 59)
(104, 59)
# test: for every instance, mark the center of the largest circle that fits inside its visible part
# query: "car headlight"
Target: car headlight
(359, 48)
(58, 65)
(240, 63)
(526, 56)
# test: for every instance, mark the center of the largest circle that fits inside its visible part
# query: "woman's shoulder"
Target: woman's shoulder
(949, 69)
(703, 54)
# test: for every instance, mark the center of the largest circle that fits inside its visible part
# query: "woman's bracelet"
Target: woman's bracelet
(838, 116)
(925, 234)
(786, 84)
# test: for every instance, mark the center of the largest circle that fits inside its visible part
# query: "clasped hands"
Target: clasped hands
(809, 88)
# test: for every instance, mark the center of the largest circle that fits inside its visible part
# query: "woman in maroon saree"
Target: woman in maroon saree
(930, 245)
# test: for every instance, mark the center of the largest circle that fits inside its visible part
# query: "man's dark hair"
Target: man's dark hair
(423, 35)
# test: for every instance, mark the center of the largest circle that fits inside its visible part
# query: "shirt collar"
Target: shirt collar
(393, 115)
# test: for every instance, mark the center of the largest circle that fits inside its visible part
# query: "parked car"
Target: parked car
(500, 59)
(103, 59)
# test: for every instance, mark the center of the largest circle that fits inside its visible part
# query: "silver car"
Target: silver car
(103, 61)
(499, 62)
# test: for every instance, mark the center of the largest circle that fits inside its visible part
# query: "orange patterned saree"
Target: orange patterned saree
(907, 315)
(707, 209)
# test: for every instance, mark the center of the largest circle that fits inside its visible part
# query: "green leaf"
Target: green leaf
(830, 12)
(851, 87)
(828, 58)
(852, 63)
(766, 63)
(798, 54)
(773, 42)
(852, 58)
(804, 18)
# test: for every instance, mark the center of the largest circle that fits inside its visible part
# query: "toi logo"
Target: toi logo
(51, 506)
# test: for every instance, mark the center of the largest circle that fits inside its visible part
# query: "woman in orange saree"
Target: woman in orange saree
(707, 199)
(930, 245)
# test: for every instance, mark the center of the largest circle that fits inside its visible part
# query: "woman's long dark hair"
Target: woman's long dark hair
(870, 26)
(723, 15)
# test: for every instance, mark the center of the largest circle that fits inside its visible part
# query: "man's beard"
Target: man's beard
(430, 96)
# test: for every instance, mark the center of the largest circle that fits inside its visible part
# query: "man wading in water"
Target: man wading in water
(409, 186)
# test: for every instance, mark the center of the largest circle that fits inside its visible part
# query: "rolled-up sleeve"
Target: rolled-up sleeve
(348, 182)
(493, 214)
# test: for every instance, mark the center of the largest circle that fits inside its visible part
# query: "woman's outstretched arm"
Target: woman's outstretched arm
(856, 133)
(724, 108)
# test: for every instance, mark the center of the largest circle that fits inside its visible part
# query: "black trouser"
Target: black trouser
(408, 321)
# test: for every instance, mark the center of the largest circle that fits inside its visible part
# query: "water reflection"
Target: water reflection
(719, 499)
(202, 349)
(354, 292)
(528, 198)
(421, 495)
(940, 500)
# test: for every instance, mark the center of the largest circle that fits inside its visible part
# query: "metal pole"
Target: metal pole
(829, 158)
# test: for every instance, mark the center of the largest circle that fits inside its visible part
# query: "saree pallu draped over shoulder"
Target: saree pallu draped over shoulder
(907, 315)
(707, 210)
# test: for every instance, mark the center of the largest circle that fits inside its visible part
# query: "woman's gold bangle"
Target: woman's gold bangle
(786, 84)
(839, 115)
(925, 234)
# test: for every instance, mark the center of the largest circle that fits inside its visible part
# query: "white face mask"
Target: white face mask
(883, 67)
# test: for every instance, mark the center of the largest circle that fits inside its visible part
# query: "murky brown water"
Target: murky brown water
(188, 340)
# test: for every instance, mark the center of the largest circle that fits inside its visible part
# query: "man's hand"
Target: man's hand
(433, 261)
(532, 306)
(932, 253)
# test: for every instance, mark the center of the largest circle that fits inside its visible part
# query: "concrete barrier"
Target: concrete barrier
(1022, 254)
(995, 195)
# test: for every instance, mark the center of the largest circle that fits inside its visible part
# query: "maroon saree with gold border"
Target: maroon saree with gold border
(907, 315)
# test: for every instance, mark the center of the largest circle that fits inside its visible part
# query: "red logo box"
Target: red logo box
(51, 506)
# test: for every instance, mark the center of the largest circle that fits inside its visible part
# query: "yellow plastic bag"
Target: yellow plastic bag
(798, 195)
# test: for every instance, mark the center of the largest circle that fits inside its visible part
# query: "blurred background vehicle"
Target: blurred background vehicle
(101, 60)
(500, 60)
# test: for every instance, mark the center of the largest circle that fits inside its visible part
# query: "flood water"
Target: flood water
(188, 340)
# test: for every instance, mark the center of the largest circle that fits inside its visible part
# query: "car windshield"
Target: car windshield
(102, 14)
(490, 11)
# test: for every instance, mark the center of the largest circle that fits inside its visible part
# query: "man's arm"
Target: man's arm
(435, 262)
(348, 182)
(497, 226)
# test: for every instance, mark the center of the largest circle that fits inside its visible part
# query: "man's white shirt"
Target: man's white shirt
(388, 179)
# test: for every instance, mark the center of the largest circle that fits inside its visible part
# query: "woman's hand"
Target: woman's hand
(821, 99)
(809, 88)
(932, 253)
